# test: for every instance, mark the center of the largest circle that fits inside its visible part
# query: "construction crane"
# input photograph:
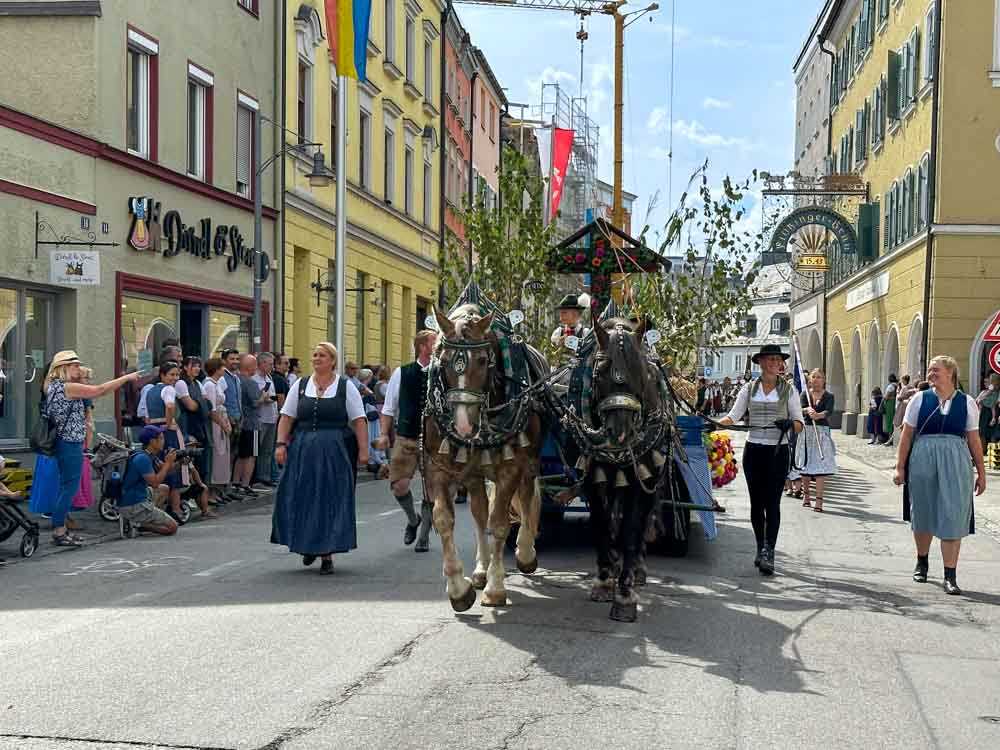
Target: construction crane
(621, 20)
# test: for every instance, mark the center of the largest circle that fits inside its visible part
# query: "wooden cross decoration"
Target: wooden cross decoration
(593, 250)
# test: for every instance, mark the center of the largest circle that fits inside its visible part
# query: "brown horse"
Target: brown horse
(467, 441)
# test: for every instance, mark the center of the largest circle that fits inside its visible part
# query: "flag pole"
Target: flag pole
(341, 235)
(805, 382)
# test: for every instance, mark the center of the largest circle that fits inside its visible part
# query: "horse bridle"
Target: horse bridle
(624, 401)
(458, 364)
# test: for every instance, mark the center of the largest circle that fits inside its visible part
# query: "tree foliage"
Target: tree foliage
(709, 291)
(511, 244)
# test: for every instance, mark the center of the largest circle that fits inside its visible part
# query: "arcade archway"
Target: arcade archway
(891, 361)
(836, 379)
(853, 396)
(915, 350)
(874, 375)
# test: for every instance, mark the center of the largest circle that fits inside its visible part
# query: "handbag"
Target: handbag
(45, 432)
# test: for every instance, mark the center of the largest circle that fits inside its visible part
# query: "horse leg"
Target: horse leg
(495, 593)
(602, 589)
(635, 516)
(479, 504)
(530, 499)
(459, 588)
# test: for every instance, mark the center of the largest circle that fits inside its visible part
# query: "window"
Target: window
(331, 301)
(360, 332)
(390, 30)
(737, 363)
(428, 193)
(779, 324)
(428, 69)
(251, 6)
(892, 217)
(493, 122)
(482, 108)
(364, 150)
(411, 49)
(385, 318)
(304, 106)
(390, 166)
(876, 228)
(141, 94)
(408, 180)
(199, 125)
(883, 10)
(913, 77)
(929, 45)
(912, 203)
(244, 147)
(923, 199)
(750, 327)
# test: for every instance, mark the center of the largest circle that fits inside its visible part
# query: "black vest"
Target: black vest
(410, 404)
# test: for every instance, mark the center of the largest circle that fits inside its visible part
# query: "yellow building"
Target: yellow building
(392, 188)
(917, 122)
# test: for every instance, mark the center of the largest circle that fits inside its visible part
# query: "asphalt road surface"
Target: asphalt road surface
(217, 639)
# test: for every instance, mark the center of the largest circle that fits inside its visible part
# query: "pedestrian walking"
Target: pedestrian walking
(267, 415)
(402, 415)
(64, 395)
(889, 408)
(815, 451)
(322, 439)
(940, 434)
(988, 402)
(775, 412)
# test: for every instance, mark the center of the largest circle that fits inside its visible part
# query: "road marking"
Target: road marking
(390, 512)
(117, 566)
(218, 569)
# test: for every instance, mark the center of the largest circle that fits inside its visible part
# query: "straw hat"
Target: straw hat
(65, 357)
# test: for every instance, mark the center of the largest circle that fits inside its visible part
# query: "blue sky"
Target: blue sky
(734, 96)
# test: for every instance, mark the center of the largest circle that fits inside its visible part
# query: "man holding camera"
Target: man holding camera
(143, 484)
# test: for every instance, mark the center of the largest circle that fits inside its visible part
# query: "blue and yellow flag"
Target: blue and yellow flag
(347, 22)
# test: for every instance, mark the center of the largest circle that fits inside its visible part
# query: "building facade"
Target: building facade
(127, 186)
(606, 201)
(459, 68)
(393, 147)
(488, 105)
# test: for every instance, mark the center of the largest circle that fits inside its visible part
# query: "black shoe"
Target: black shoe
(410, 533)
(766, 561)
(951, 587)
(326, 568)
(920, 572)
(308, 560)
(756, 560)
(422, 546)
(176, 516)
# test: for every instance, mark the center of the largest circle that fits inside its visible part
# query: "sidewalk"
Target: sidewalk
(883, 459)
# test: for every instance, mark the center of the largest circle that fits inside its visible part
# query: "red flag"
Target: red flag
(331, 28)
(562, 144)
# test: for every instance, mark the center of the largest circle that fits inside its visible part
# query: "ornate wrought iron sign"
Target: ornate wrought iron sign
(809, 232)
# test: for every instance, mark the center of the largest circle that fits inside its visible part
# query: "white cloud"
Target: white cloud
(657, 121)
(713, 103)
(721, 42)
(697, 133)
(550, 75)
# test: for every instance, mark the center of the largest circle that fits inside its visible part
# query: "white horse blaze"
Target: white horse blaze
(462, 424)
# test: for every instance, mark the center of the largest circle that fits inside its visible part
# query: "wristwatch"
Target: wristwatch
(281, 445)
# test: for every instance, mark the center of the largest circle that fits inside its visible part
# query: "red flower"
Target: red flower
(568, 258)
(580, 257)
(596, 262)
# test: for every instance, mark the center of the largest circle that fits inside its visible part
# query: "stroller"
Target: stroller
(13, 518)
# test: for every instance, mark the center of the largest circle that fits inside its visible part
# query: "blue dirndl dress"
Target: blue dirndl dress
(314, 507)
(938, 495)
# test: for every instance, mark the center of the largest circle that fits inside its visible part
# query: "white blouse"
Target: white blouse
(912, 415)
(355, 407)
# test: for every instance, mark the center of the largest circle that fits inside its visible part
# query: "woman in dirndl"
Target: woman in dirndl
(815, 451)
(314, 513)
(939, 443)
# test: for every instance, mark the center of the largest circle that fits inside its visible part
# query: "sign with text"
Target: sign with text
(149, 231)
(995, 358)
(815, 216)
(867, 290)
(75, 267)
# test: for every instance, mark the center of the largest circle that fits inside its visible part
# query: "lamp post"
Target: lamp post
(319, 176)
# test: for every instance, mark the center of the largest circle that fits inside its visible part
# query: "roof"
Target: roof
(51, 8)
(819, 27)
(602, 185)
(487, 72)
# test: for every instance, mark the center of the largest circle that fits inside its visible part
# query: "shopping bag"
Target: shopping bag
(45, 485)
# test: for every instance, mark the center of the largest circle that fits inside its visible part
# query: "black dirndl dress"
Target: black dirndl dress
(314, 507)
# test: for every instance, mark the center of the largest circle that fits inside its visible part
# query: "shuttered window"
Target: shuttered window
(893, 86)
(877, 227)
(244, 153)
(923, 190)
(929, 44)
(914, 74)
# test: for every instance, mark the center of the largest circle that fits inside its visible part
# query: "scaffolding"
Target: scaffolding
(580, 194)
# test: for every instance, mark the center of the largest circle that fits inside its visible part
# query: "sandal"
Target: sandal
(807, 503)
(819, 505)
(208, 515)
(65, 540)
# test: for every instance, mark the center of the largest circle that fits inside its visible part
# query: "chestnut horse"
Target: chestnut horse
(470, 436)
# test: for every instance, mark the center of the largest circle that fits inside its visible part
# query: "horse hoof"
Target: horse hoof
(529, 567)
(600, 593)
(624, 612)
(479, 581)
(640, 577)
(495, 599)
(465, 601)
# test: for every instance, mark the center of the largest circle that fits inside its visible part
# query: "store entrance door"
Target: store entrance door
(194, 329)
(27, 335)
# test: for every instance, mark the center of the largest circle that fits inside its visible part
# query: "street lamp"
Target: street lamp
(319, 176)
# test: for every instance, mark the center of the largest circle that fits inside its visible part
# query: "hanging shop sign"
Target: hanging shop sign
(808, 233)
(166, 233)
(75, 267)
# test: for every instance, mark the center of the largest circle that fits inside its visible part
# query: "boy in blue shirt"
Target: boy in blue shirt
(141, 479)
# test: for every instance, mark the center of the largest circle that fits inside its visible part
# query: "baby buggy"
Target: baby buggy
(13, 518)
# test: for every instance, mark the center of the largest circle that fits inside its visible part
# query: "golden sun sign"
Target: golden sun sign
(812, 242)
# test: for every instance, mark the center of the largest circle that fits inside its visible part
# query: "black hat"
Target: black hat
(768, 349)
(570, 302)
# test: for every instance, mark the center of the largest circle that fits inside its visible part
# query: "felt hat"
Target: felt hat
(570, 302)
(767, 350)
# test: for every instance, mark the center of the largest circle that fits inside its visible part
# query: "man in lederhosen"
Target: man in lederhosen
(403, 410)
(570, 309)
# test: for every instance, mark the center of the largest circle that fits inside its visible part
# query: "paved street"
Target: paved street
(216, 639)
